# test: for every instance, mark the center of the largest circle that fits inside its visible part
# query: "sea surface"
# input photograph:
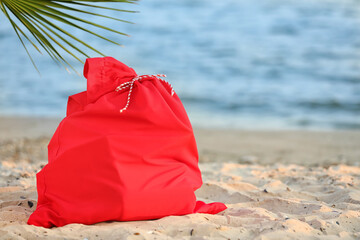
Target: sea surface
(245, 64)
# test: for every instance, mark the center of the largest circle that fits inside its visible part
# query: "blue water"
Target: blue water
(268, 64)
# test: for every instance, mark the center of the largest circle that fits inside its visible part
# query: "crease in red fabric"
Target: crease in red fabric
(104, 75)
(104, 165)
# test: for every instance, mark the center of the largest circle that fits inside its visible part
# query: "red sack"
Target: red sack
(120, 155)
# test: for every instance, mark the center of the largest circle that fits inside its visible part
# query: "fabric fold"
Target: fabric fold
(104, 75)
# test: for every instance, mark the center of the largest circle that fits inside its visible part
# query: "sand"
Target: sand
(276, 184)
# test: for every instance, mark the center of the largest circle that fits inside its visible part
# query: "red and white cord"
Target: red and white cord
(130, 84)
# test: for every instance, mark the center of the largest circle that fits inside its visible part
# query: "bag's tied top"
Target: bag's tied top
(130, 85)
(104, 75)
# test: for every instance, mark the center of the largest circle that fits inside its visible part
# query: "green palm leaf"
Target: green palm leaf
(43, 19)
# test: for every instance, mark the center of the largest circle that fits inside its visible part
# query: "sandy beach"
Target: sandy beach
(276, 185)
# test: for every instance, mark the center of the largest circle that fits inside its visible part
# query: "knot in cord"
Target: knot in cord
(130, 85)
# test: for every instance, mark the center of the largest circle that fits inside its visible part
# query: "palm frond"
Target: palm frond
(43, 19)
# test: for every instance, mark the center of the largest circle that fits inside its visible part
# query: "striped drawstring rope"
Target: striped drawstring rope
(130, 84)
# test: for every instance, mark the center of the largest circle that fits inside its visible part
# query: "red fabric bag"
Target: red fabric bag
(120, 155)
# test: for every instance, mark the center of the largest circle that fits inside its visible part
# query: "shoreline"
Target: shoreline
(304, 147)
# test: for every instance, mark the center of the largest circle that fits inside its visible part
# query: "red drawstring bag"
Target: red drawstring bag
(125, 151)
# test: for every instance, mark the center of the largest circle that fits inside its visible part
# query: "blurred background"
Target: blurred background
(242, 64)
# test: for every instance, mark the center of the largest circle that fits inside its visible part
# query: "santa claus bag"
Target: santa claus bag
(125, 151)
